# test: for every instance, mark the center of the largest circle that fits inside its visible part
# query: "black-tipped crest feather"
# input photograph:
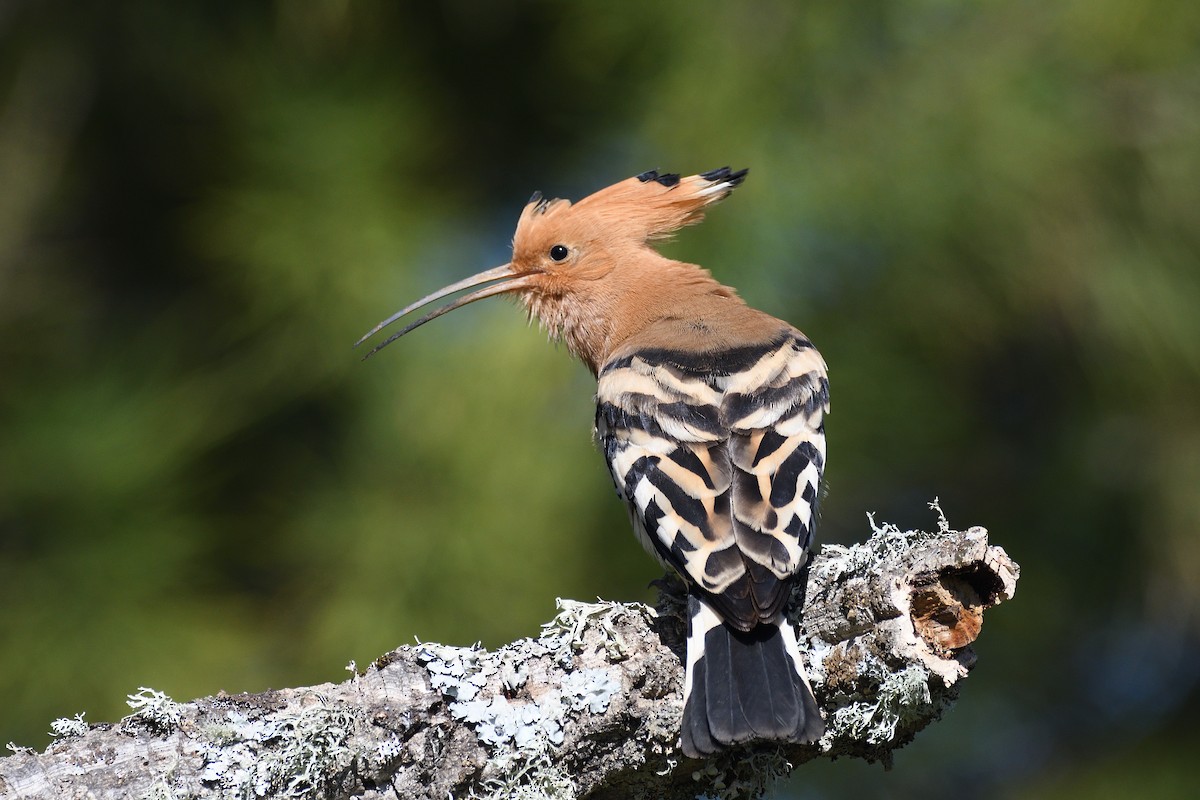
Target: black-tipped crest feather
(725, 175)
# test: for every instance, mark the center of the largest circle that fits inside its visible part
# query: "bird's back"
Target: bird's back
(717, 447)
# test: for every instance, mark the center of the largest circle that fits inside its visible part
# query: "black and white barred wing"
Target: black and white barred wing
(719, 457)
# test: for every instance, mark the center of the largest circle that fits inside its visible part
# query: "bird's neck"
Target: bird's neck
(596, 318)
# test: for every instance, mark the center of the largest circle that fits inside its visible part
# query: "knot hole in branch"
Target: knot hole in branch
(947, 606)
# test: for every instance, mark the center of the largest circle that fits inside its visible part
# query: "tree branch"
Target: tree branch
(590, 708)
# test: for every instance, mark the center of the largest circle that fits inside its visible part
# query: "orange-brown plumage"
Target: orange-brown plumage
(613, 285)
(711, 418)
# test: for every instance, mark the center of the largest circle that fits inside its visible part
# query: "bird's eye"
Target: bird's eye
(559, 252)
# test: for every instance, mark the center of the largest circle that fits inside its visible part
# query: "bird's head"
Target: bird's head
(583, 269)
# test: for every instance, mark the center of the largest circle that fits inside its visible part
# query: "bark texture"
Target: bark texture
(590, 708)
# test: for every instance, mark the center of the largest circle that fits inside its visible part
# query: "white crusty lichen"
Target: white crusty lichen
(291, 754)
(528, 724)
(498, 722)
(522, 731)
(591, 689)
(459, 673)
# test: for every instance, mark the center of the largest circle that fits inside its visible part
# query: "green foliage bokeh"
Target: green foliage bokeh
(984, 214)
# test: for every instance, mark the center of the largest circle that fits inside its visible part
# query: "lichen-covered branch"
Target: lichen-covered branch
(590, 708)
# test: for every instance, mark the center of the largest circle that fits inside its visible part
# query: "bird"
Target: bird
(710, 416)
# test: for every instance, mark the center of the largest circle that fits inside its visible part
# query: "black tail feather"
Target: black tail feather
(774, 711)
(743, 687)
(695, 736)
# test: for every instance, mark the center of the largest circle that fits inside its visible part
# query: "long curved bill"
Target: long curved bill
(510, 281)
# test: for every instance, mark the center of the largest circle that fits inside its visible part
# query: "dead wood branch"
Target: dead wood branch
(590, 708)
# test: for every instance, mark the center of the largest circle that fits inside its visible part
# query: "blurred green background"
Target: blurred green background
(985, 214)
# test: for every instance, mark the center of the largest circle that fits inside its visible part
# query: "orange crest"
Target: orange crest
(640, 209)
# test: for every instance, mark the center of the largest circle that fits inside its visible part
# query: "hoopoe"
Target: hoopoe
(710, 415)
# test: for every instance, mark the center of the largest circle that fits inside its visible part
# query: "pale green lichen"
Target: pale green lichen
(886, 543)
(64, 727)
(902, 697)
(163, 791)
(564, 633)
(736, 776)
(535, 778)
(292, 754)
(154, 708)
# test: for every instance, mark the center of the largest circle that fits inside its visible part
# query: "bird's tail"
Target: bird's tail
(743, 686)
